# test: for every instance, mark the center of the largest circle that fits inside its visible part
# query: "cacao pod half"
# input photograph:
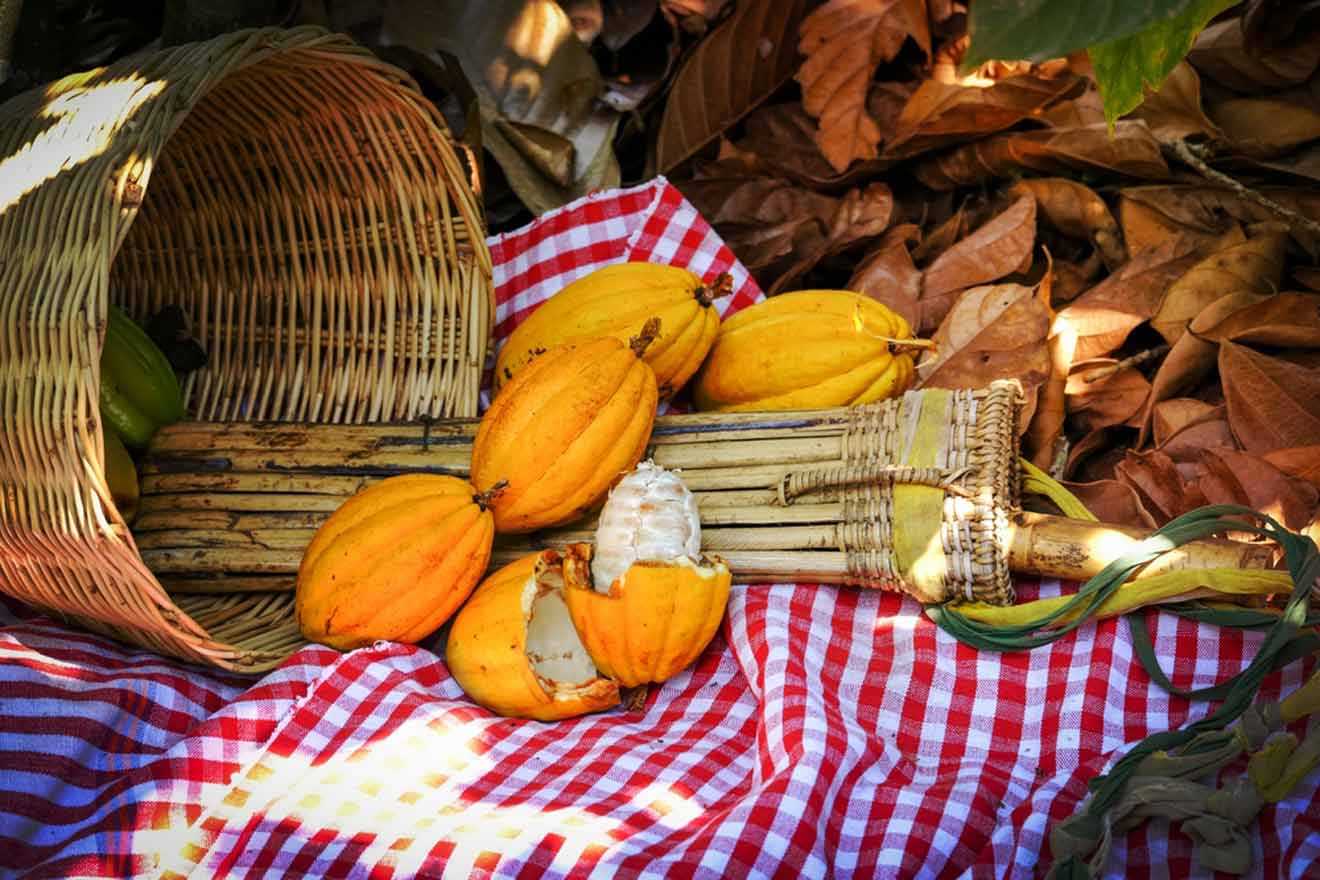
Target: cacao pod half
(394, 561)
(809, 349)
(564, 430)
(513, 649)
(617, 301)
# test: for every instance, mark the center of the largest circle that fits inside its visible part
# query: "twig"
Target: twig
(1139, 358)
(1189, 155)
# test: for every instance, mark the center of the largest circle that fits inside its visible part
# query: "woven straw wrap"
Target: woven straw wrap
(304, 205)
(926, 482)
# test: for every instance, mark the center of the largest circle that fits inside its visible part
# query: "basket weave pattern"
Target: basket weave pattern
(303, 204)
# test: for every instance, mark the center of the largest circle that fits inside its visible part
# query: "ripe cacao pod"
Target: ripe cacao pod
(563, 430)
(617, 301)
(513, 649)
(809, 349)
(394, 561)
(643, 599)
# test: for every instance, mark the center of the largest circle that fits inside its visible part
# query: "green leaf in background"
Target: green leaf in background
(1038, 30)
(1124, 66)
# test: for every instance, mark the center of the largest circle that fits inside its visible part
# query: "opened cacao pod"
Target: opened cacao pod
(513, 648)
(394, 561)
(617, 301)
(809, 349)
(565, 428)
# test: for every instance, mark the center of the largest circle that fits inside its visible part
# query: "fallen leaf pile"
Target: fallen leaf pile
(1154, 285)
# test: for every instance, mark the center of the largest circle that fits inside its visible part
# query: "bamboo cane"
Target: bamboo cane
(229, 507)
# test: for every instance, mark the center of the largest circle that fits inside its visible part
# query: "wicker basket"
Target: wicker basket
(304, 205)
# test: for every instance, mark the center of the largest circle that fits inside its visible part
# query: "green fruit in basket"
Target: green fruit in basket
(139, 390)
(121, 476)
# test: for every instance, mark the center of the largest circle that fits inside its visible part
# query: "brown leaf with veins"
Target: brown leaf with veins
(1232, 477)
(1285, 320)
(1155, 478)
(1176, 413)
(1113, 399)
(999, 247)
(942, 113)
(993, 332)
(1254, 265)
(1112, 502)
(1273, 403)
(1302, 462)
(766, 222)
(1218, 53)
(1175, 112)
(1072, 279)
(1075, 209)
(888, 275)
(1192, 356)
(1132, 151)
(1108, 312)
(942, 237)
(1187, 444)
(843, 42)
(1269, 127)
(862, 213)
(1209, 212)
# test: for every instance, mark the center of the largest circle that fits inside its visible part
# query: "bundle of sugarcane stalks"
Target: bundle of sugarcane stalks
(919, 494)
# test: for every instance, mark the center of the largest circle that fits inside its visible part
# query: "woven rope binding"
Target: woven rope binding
(304, 205)
(971, 436)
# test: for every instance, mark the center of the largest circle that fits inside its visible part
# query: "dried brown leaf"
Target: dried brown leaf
(861, 214)
(843, 42)
(728, 74)
(1045, 435)
(1192, 357)
(765, 221)
(1302, 462)
(1186, 445)
(1286, 320)
(1175, 112)
(992, 332)
(1093, 456)
(1213, 211)
(1132, 151)
(1108, 312)
(942, 113)
(1113, 399)
(1112, 502)
(1232, 477)
(1218, 53)
(1254, 265)
(1273, 403)
(1176, 413)
(999, 247)
(1159, 486)
(945, 234)
(1075, 209)
(1072, 279)
(783, 137)
(1267, 127)
(888, 275)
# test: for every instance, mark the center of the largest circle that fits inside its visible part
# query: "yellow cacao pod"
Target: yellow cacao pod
(656, 619)
(617, 301)
(513, 649)
(809, 349)
(394, 561)
(564, 430)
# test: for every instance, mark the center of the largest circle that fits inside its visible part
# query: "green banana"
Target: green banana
(139, 391)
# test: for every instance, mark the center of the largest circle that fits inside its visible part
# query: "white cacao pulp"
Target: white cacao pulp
(650, 515)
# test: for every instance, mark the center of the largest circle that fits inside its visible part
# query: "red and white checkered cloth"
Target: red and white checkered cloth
(824, 733)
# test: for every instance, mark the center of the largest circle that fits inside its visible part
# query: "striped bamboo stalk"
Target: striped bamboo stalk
(229, 507)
